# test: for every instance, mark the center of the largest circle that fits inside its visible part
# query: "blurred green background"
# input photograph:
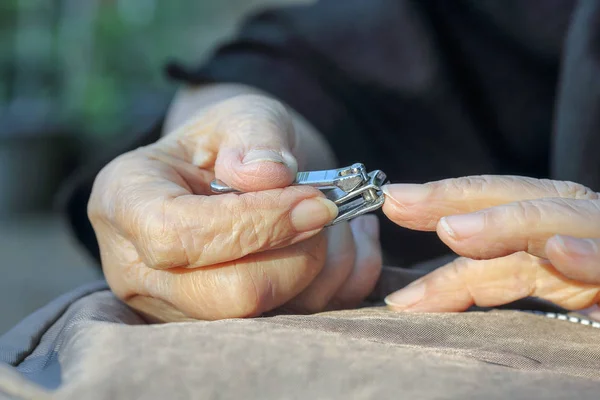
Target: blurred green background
(75, 76)
(96, 66)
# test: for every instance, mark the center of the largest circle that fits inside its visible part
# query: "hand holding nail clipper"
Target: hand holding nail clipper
(174, 250)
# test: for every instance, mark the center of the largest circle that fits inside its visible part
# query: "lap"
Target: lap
(99, 348)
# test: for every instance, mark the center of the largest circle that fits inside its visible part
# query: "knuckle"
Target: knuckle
(157, 230)
(557, 206)
(250, 230)
(261, 221)
(94, 210)
(469, 184)
(248, 294)
(570, 190)
(260, 103)
(567, 206)
(522, 212)
(462, 270)
(231, 292)
(106, 192)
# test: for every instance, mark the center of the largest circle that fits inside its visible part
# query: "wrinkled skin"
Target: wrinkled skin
(516, 237)
(174, 251)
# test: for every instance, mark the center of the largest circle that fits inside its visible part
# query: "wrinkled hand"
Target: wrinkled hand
(518, 237)
(174, 251)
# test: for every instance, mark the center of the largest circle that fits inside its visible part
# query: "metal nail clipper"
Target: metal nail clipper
(352, 189)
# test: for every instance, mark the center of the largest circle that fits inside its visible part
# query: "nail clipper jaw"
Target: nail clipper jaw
(356, 209)
(364, 199)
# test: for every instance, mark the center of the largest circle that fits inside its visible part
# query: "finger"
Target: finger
(521, 226)
(420, 207)
(170, 229)
(148, 204)
(367, 264)
(392, 278)
(196, 232)
(488, 283)
(353, 267)
(341, 252)
(578, 259)
(246, 288)
(256, 144)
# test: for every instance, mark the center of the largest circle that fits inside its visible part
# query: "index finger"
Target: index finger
(421, 206)
(171, 227)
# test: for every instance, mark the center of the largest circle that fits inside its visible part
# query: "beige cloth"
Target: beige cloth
(98, 348)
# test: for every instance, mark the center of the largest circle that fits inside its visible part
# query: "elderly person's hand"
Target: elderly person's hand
(518, 237)
(173, 250)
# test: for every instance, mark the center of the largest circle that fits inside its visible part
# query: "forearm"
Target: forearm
(311, 149)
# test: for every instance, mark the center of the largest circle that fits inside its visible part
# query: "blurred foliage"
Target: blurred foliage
(96, 66)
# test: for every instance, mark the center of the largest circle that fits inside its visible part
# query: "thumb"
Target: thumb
(257, 139)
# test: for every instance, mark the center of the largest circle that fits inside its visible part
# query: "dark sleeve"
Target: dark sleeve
(333, 62)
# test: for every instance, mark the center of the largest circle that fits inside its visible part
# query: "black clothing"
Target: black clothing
(423, 90)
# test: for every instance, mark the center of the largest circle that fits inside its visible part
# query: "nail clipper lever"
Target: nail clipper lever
(352, 189)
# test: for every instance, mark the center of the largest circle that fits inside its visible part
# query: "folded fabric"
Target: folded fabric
(88, 344)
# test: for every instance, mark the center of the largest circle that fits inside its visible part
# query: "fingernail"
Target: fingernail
(463, 226)
(290, 161)
(407, 193)
(312, 214)
(582, 247)
(406, 297)
(262, 155)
